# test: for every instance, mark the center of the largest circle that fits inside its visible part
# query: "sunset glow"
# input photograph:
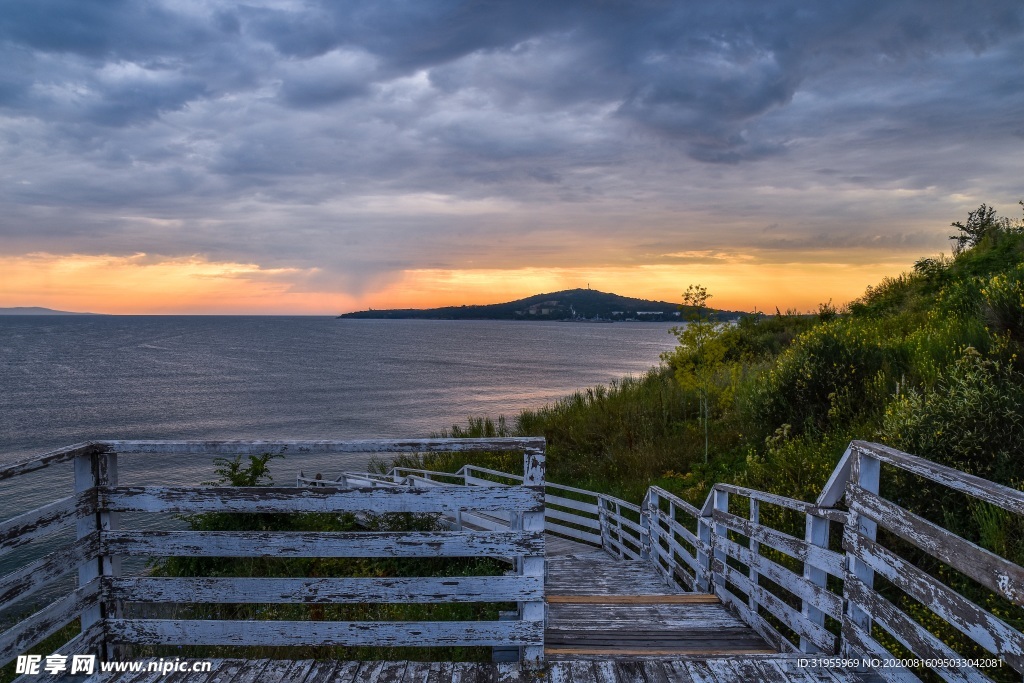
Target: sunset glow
(163, 156)
(141, 285)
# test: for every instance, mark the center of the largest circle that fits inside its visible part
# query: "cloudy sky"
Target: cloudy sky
(281, 156)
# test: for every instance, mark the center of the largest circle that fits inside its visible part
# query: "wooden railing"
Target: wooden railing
(803, 575)
(98, 502)
(596, 519)
(809, 592)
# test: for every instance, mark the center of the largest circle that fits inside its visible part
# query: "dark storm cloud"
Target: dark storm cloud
(400, 133)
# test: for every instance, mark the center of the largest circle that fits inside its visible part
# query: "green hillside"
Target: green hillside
(570, 304)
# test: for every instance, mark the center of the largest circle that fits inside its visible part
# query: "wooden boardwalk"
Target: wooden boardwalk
(601, 607)
(710, 670)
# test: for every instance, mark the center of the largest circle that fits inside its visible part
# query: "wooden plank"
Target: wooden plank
(682, 599)
(392, 672)
(829, 603)
(579, 506)
(476, 481)
(647, 618)
(990, 570)
(790, 503)
(997, 494)
(48, 519)
(26, 581)
(990, 632)
(675, 527)
(47, 621)
(677, 550)
(571, 518)
(578, 534)
(324, 446)
(679, 672)
(796, 548)
(54, 457)
(261, 499)
(677, 501)
(793, 619)
(778, 641)
(415, 672)
(507, 672)
(629, 672)
(911, 634)
(864, 644)
(483, 522)
(323, 633)
(322, 544)
(333, 672)
(658, 651)
(328, 590)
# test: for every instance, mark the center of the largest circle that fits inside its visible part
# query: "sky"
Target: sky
(316, 157)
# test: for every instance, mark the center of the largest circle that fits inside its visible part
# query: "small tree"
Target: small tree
(700, 354)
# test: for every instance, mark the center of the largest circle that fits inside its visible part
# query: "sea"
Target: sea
(66, 379)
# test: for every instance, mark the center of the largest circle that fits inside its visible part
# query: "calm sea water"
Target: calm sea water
(67, 379)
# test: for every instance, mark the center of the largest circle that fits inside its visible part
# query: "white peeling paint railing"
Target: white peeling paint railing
(812, 592)
(98, 502)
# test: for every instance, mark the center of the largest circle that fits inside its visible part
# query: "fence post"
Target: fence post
(533, 565)
(703, 578)
(602, 522)
(755, 547)
(817, 529)
(722, 505)
(94, 469)
(865, 472)
(647, 529)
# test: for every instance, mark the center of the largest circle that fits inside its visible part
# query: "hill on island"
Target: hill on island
(36, 310)
(570, 304)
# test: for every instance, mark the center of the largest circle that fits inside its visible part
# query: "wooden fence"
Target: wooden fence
(814, 592)
(96, 507)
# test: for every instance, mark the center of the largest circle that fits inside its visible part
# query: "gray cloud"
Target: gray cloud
(369, 137)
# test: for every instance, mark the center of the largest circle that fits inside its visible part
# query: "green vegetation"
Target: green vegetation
(930, 362)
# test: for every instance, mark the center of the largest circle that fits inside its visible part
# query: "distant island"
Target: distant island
(583, 305)
(36, 310)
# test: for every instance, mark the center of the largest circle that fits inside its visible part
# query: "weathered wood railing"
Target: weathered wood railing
(593, 518)
(811, 592)
(98, 502)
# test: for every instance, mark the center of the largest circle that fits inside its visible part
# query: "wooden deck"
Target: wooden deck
(601, 607)
(710, 670)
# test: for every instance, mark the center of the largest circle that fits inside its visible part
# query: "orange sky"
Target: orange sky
(141, 284)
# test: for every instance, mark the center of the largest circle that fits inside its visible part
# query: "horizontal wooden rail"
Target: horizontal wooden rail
(55, 457)
(322, 544)
(325, 446)
(46, 520)
(324, 633)
(191, 500)
(47, 621)
(995, 573)
(328, 590)
(27, 580)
